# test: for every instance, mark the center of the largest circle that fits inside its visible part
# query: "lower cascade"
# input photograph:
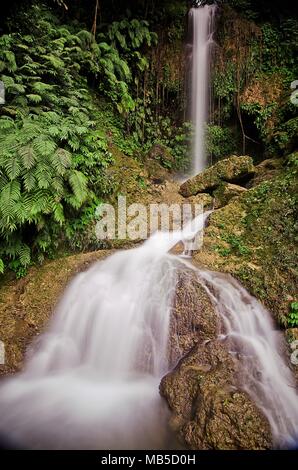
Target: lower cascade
(91, 380)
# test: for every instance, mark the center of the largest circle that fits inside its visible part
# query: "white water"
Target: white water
(202, 27)
(250, 332)
(92, 379)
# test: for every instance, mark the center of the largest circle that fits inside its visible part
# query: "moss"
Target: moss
(27, 304)
(255, 239)
(232, 169)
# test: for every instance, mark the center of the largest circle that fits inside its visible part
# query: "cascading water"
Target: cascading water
(91, 381)
(265, 376)
(202, 28)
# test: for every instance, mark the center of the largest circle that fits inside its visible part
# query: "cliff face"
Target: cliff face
(254, 65)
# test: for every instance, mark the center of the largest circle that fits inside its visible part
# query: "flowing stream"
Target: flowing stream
(92, 378)
(202, 27)
(252, 337)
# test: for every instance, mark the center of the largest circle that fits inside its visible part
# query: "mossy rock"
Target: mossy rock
(234, 170)
(209, 409)
(225, 193)
(254, 238)
(203, 199)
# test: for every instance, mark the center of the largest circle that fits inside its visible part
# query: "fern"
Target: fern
(2, 266)
(78, 183)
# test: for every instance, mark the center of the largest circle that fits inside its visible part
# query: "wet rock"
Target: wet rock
(225, 193)
(203, 199)
(161, 154)
(209, 410)
(266, 170)
(27, 304)
(234, 169)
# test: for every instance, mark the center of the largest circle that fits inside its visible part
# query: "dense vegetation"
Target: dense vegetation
(69, 93)
(85, 78)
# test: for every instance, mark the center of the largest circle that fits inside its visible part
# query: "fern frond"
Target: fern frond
(78, 183)
(28, 156)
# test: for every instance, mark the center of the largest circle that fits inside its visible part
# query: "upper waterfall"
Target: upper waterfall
(202, 27)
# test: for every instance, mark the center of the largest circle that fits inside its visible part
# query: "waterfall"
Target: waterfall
(202, 27)
(91, 379)
(252, 337)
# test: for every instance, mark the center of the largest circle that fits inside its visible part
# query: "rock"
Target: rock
(225, 193)
(253, 238)
(27, 304)
(160, 153)
(234, 170)
(209, 411)
(203, 199)
(266, 170)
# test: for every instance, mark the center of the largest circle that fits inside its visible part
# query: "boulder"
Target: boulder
(203, 199)
(161, 154)
(225, 193)
(209, 409)
(27, 304)
(233, 170)
(267, 170)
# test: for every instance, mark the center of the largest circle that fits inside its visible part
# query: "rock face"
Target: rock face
(234, 169)
(209, 411)
(253, 238)
(27, 304)
(267, 170)
(204, 199)
(225, 193)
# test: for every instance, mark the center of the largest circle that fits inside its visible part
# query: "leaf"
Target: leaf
(78, 183)
(61, 160)
(28, 156)
(2, 266)
(12, 166)
(34, 98)
(29, 180)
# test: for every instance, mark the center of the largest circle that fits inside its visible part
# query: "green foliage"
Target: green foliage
(54, 135)
(253, 74)
(176, 139)
(220, 142)
(236, 244)
(292, 319)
